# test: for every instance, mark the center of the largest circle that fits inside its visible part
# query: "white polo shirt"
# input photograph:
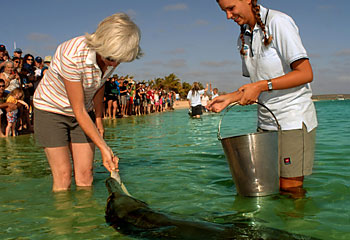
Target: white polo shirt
(75, 62)
(293, 106)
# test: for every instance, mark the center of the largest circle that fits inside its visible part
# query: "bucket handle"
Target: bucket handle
(234, 104)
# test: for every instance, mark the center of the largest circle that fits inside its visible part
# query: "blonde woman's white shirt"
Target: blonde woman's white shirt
(293, 106)
(75, 62)
(195, 98)
(204, 100)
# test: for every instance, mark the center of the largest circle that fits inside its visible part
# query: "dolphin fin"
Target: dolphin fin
(115, 175)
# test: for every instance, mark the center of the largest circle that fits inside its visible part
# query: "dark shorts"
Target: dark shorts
(137, 102)
(197, 110)
(111, 97)
(57, 130)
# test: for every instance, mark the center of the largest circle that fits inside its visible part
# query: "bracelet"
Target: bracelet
(269, 85)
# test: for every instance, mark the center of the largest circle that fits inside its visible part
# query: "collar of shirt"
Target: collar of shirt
(263, 14)
(91, 60)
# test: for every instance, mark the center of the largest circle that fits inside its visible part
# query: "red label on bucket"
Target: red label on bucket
(287, 161)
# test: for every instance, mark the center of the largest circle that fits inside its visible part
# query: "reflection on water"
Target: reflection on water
(177, 165)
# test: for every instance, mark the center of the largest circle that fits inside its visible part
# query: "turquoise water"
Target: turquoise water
(177, 165)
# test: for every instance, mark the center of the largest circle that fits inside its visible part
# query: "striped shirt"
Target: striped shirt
(75, 62)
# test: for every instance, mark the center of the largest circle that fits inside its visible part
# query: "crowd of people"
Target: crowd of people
(19, 77)
(124, 97)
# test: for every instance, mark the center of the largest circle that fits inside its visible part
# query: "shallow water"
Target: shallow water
(177, 165)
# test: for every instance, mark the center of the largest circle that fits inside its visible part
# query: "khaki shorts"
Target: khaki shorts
(57, 130)
(297, 148)
(123, 99)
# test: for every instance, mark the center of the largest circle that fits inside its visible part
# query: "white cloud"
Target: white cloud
(176, 51)
(176, 7)
(132, 13)
(218, 64)
(176, 63)
(343, 53)
(344, 78)
(39, 37)
(201, 22)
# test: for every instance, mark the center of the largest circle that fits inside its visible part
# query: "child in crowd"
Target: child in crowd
(16, 97)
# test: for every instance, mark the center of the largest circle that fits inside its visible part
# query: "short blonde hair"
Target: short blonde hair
(16, 91)
(116, 37)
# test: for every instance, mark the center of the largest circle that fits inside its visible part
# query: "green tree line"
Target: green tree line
(171, 83)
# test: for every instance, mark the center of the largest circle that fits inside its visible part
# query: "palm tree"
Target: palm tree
(172, 83)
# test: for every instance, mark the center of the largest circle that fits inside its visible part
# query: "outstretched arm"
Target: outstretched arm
(23, 103)
(301, 74)
(75, 94)
(206, 88)
(220, 103)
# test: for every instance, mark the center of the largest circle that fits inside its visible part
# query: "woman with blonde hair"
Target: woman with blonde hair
(69, 99)
(12, 79)
(278, 66)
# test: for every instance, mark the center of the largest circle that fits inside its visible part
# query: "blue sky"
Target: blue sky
(191, 38)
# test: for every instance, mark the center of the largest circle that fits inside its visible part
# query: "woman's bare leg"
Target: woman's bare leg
(61, 167)
(83, 156)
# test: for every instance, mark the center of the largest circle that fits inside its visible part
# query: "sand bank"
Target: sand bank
(181, 104)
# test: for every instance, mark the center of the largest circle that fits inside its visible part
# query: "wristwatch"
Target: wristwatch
(269, 85)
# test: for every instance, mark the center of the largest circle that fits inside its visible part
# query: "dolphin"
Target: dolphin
(135, 218)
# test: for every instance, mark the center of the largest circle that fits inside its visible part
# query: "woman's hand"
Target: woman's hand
(110, 161)
(250, 92)
(221, 102)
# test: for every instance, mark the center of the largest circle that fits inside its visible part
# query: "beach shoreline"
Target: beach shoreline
(181, 104)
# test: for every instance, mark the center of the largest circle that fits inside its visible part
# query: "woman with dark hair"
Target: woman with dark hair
(278, 66)
(28, 79)
(28, 76)
(28, 63)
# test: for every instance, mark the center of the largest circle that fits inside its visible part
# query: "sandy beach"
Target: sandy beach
(181, 104)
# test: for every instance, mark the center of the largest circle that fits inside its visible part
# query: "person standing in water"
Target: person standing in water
(69, 99)
(277, 64)
(194, 99)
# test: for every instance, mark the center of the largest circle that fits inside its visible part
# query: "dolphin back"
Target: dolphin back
(134, 217)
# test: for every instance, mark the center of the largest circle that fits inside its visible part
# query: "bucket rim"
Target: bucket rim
(236, 103)
(249, 134)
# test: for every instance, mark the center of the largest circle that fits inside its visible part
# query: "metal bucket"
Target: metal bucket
(253, 160)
